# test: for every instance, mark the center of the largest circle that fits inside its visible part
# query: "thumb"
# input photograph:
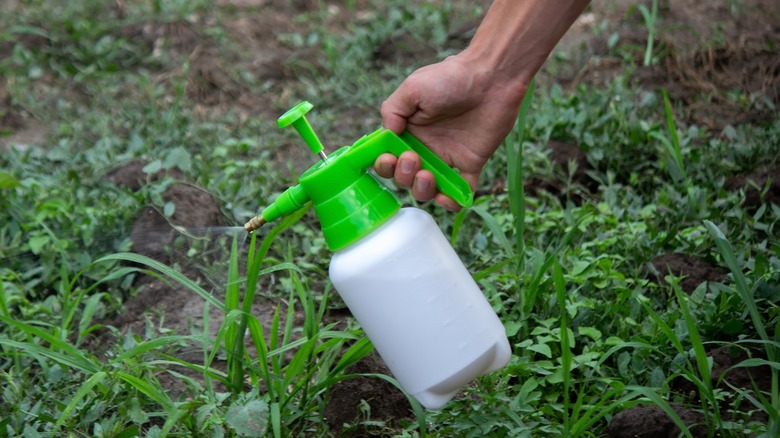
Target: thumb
(398, 108)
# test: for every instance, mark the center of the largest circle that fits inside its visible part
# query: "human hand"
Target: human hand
(461, 112)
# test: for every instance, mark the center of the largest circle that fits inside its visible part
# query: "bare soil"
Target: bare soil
(760, 186)
(693, 270)
(726, 376)
(384, 400)
(570, 180)
(643, 421)
(712, 51)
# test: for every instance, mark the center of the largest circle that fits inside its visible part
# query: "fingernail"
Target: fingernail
(407, 166)
(386, 168)
(422, 184)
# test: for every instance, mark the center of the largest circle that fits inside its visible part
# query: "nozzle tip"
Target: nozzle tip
(254, 223)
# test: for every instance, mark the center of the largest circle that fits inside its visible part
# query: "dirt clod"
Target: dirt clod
(570, 164)
(726, 376)
(132, 176)
(652, 422)
(760, 186)
(387, 403)
(695, 270)
(10, 117)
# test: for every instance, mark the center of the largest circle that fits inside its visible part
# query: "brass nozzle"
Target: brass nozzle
(254, 223)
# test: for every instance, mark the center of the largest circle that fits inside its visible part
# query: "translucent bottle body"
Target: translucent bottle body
(420, 307)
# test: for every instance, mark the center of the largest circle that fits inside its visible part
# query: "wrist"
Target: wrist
(516, 37)
(492, 79)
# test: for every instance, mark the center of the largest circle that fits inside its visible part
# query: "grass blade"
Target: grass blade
(727, 252)
(515, 176)
(566, 355)
(151, 345)
(155, 393)
(168, 272)
(703, 362)
(495, 228)
(71, 356)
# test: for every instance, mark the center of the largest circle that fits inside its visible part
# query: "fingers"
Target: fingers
(424, 186)
(385, 165)
(448, 203)
(407, 173)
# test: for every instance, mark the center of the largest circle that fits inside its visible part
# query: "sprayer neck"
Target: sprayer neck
(350, 202)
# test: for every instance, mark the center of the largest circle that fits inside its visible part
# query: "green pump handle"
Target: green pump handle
(448, 181)
(348, 201)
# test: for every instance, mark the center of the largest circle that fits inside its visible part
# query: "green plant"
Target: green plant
(650, 18)
(759, 324)
(672, 147)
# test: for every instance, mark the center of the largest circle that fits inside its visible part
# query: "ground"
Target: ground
(709, 50)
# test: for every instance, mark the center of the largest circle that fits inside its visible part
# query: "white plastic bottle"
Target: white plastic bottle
(394, 268)
(420, 307)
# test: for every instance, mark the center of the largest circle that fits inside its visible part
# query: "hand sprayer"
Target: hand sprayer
(394, 268)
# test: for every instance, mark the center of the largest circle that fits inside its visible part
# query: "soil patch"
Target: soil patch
(694, 270)
(735, 383)
(155, 236)
(18, 129)
(644, 421)
(131, 175)
(570, 180)
(359, 399)
(165, 306)
(762, 186)
(174, 39)
(208, 82)
(709, 53)
(10, 117)
(716, 48)
(363, 405)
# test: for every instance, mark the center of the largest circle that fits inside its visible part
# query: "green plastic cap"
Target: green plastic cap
(348, 200)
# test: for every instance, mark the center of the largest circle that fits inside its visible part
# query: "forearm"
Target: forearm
(516, 37)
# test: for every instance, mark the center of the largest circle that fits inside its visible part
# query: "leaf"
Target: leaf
(169, 209)
(155, 392)
(37, 243)
(250, 419)
(7, 181)
(31, 432)
(591, 332)
(542, 349)
(178, 157)
(153, 167)
(71, 357)
(512, 327)
(495, 228)
(135, 413)
(755, 362)
(129, 432)
(743, 290)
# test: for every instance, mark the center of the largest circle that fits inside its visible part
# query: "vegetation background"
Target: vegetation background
(626, 232)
